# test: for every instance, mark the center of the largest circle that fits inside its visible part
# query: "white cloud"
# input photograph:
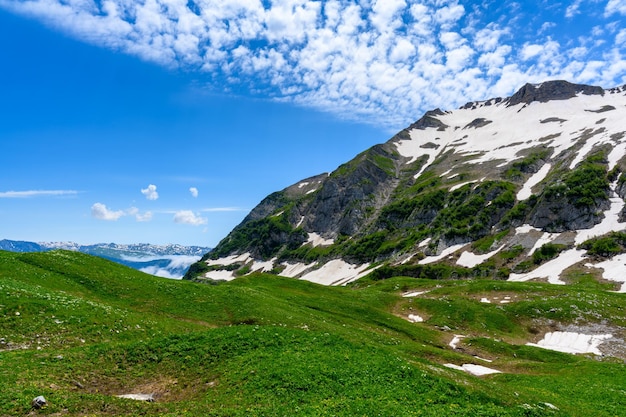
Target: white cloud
(573, 9)
(37, 193)
(379, 61)
(615, 6)
(531, 51)
(189, 217)
(194, 192)
(101, 212)
(150, 192)
(143, 217)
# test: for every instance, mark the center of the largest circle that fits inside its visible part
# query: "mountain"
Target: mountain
(526, 187)
(168, 261)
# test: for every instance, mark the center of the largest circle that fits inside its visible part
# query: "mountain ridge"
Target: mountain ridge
(548, 158)
(168, 261)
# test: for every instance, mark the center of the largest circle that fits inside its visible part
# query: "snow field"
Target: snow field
(572, 342)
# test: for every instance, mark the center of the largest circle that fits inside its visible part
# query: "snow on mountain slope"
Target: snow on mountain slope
(489, 131)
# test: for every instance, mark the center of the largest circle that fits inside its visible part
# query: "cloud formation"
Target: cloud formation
(150, 192)
(194, 192)
(189, 217)
(37, 193)
(371, 60)
(102, 212)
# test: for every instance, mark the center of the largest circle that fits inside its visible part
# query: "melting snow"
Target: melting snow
(614, 269)
(525, 229)
(456, 187)
(608, 224)
(443, 254)
(553, 268)
(317, 240)
(508, 134)
(424, 242)
(545, 238)
(414, 294)
(293, 270)
(535, 179)
(336, 272)
(263, 266)
(229, 260)
(455, 341)
(470, 368)
(469, 260)
(221, 275)
(571, 342)
(414, 318)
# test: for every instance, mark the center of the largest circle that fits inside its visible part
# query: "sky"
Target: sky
(167, 121)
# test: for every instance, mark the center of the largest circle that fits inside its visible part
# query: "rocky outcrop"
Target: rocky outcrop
(551, 90)
(347, 198)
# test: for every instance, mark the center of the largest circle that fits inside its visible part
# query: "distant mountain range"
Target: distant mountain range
(526, 187)
(169, 261)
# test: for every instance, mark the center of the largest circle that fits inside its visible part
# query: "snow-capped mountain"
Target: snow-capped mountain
(526, 187)
(169, 261)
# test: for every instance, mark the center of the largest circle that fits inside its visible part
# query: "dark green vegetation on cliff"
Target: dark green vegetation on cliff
(80, 330)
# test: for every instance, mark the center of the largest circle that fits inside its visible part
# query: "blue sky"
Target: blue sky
(166, 121)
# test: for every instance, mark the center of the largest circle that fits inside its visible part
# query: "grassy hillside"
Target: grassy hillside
(80, 330)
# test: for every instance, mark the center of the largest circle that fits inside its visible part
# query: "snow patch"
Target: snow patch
(443, 254)
(545, 238)
(608, 224)
(553, 268)
(572, 342)
(469, 260)
(614, 269)
(526, 228)
(414, 318)
(470, 368)
(229, 260)
(266, 266)
(424, 242)
(455, 341)
(336, 272)
(317, 240)
(414, 294)
(293, 270)
(535, 179)
(456, 187)
(220, 275)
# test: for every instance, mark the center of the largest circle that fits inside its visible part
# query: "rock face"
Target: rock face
(500, 177)
(551, 90)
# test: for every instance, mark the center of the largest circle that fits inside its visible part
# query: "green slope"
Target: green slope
(89, 329)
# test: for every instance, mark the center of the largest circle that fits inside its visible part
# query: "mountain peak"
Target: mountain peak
(552, 90)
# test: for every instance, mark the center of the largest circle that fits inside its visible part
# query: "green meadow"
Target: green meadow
(81, 330)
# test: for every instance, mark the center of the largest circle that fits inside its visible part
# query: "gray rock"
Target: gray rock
(39, 402)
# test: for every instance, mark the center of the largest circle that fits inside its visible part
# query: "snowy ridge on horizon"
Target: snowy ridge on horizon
(166, 261)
